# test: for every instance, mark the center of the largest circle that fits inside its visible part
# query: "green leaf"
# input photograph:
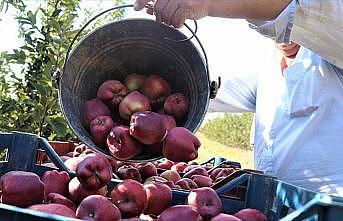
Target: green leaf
(58, 125)
(56, 39)
(40, 88)
(32, 17)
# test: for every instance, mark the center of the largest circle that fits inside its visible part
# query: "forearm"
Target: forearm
(246, 9)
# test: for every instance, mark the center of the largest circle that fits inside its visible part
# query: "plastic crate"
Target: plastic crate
(23, 153)
(216, 161)
(277, 199)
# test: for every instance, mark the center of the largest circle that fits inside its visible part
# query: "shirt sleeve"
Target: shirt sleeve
(237, 94)
(315, 24)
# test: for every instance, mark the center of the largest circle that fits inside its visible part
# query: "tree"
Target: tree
(28, 100)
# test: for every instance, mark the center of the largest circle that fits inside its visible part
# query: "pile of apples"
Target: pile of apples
(139, 116)
(178, 175)
(86, 196)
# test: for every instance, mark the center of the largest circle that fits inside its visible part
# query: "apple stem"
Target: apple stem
(101, 122)
(91, 214)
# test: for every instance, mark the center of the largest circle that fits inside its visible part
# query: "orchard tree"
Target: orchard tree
(28, 99)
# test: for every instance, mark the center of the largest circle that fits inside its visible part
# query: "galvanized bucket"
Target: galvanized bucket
(133, 45)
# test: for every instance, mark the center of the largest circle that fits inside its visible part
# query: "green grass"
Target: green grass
(232, 130)
(210, 148)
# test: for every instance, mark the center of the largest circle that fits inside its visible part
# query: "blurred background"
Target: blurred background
(34, 36)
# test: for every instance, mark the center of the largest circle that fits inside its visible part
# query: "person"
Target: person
(298, 114)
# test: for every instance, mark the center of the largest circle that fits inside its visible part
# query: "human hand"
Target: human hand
(175, 12)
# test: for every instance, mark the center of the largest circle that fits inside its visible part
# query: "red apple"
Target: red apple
(94, 171)
(130, 197)
(133, 102)
(97, 208)
(202, 181)
(155, 179)
(78, 192)
(221, 172)
(190, 167)
(171, 175)
(170, 121)
(193, 163)
(147, 127)
(56, 182)
(129, 172)
(186, 184)
(166, 164)
(179, 167)
(147, 170)
(134, 81)
(171, 184)
(249, 214)
(91, 109)
(60, 199)
(121, 145)
(176, 105)
(180, 145)
(22, 189)
(158, 197)
(180, 212)
(206, 201)
(196, 171)
(156, 89)
(72, 163)
(225, 217)
(111, 92)
(100, 127)
(54, 208)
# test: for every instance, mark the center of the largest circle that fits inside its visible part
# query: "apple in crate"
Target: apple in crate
(56, 182)
(180, 212)
(97, 208)
(54, 208)
(22, 189)
(130, 197)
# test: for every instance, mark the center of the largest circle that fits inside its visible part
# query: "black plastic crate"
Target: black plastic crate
(277, 199)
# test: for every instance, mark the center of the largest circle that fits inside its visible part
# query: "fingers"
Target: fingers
(160, 7)
(179, 18)
(139, 4)
(169, 11)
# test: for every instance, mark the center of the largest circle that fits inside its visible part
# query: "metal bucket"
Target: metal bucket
(133, 45)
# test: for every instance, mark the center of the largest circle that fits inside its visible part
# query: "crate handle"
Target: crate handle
(53, 155)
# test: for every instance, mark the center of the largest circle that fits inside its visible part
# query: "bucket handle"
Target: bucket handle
(214, 86)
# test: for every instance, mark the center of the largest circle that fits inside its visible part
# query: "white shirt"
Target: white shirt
(299, 116)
